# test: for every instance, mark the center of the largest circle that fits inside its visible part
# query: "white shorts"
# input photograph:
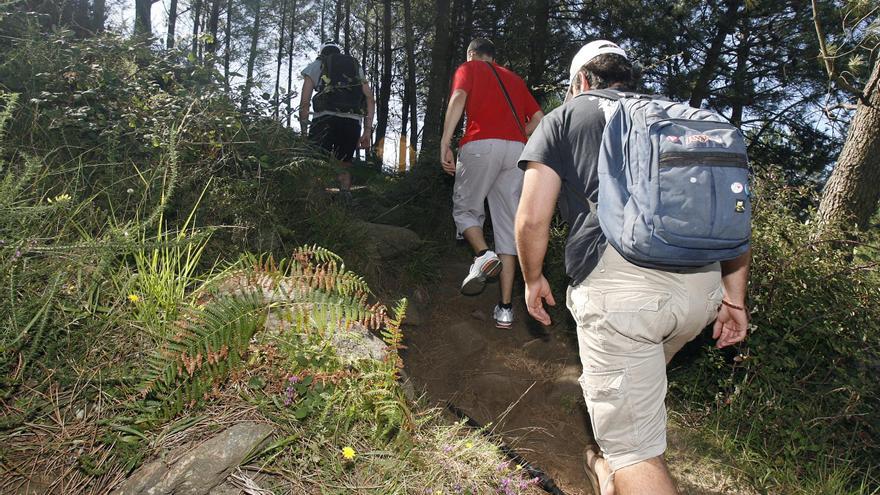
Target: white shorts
(487, 168)
(630, 322)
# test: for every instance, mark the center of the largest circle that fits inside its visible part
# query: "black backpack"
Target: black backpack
(339, 89)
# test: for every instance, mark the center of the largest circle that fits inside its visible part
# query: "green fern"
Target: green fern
(313, 290)
(393, 337)
(209, 344)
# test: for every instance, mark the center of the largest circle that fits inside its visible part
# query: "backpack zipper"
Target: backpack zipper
(717, 159)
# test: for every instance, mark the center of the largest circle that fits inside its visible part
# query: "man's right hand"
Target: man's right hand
(447, 159)
(536, 294)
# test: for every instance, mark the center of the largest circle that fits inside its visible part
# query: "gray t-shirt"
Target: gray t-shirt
(567, 140)
(313, 72)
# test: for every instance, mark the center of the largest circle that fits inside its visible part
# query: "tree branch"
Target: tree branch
(828, 60)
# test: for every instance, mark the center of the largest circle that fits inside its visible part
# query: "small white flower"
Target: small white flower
(129, 190)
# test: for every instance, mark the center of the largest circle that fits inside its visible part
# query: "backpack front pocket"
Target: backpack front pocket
(696, 195)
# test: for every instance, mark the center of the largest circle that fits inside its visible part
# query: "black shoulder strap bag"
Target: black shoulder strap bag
(509, 102)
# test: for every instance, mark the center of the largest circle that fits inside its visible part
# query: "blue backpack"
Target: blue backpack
(673, 183)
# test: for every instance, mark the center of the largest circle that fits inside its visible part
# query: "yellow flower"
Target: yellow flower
(518, 467)
(348, 453)
(134, 298)
(469, 445)
(61, 198)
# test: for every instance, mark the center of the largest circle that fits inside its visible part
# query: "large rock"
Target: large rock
(358, 343)
(391, 240)
(200, 469)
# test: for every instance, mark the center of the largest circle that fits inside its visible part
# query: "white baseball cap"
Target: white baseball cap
(590, 51)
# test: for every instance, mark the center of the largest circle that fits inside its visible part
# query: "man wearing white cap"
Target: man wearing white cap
(631, 320)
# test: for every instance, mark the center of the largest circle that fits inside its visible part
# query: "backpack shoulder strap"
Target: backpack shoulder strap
(613, 94)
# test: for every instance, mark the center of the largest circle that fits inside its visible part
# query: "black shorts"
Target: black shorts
(336, 135)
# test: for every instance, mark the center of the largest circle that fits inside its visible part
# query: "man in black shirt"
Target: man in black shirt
(631, 320)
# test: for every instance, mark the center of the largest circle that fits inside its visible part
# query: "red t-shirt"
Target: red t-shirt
(488, 114)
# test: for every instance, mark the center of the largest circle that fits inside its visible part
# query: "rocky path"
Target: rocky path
(521, 381)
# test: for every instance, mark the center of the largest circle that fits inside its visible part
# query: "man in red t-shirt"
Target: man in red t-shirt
(501, 113)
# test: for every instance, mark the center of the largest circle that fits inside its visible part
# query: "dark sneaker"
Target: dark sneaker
(485, 266)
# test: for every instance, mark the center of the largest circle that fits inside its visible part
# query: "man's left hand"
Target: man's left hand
(364, 142)
(447, 159)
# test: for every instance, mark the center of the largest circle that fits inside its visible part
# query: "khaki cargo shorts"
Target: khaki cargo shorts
(630, 322)
(487, 168)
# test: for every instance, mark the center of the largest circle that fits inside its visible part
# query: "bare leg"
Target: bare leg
(474, 236)
(508, 272)
(344, 177)
(650, 476)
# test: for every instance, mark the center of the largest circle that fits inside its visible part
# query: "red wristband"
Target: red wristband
(731, 305)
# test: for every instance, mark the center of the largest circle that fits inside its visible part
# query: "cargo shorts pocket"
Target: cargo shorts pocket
(641, 315)
(713, 302)
(611, 415)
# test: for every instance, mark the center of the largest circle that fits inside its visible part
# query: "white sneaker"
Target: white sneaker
(483, 267)
(503, 317)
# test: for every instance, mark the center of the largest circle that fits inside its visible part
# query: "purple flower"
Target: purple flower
(294, 379)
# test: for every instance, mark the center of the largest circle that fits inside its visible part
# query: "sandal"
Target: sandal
(590, 455)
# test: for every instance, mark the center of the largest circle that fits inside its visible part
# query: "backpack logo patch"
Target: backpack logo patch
(698, 139)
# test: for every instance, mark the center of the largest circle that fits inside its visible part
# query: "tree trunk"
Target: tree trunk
(366, 38)
(438, 86)
(402, 142)
(68, 8)
(740, 75)
(290, 61)
(467, 28)
(337, 20)
(276, 101)
(726, 25)
(213, 27)
(99, 12)
(409, 43)
(227, 42)
(197, 15)
(82, 19)
(172, 25)
(143, 23)
(252, 59)
(347, 26)
(323, 22)
(538, 49)
(385, 92)
(853, 190)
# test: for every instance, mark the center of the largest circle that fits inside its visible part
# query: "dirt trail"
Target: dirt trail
(522, 380)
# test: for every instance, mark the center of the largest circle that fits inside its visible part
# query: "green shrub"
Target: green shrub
(802, 390)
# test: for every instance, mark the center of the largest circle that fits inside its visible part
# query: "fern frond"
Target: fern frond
(206, 347)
